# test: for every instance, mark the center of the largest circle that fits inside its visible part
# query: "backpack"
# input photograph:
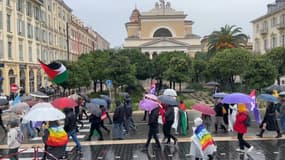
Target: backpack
(247, 121)
(19, 136)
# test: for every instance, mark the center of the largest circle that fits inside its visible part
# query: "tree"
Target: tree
(227, 37)
(259, 73)
(226, 65)
(199, 66)
(277, 58)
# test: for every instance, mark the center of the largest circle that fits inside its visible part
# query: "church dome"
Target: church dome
(135, 15)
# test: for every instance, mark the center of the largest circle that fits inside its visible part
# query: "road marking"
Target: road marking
(223, 154)
(276, 152)
(170, 155)
(99, 157)
(135, 156)
(117, 157)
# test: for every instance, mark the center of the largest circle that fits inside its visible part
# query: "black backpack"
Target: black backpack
(247, 121)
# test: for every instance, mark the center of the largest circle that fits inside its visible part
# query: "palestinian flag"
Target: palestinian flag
(56, 71)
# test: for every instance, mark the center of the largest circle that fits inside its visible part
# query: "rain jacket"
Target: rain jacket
(239, 125)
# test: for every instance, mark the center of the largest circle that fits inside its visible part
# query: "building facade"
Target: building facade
(31, 30)
(161, 29)
(269, 29)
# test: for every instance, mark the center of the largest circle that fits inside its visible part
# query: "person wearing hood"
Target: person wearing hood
(70, 126)
(118, 119)
(270, 121)
(241, 128)
(202, 144)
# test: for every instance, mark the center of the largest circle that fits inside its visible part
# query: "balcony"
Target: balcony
(40, 2)
(281, 26)
(264, 31)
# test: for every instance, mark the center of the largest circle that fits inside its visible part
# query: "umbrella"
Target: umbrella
(64, 102)
(205, 109)
(220, 95)
(3, 101)
(147, 104)
(275, 87)
(74, 96)
(267, 97)
(20, 107)
(167, 100)
(151, 96)
(282, 94)
(39, 94)
(43, 112)
(236, 98)
(107, 98)
(31, 102)
(84, 96)
(99, 102)
(212, 83)
(94, 109)
(26, 98)
(170, 92)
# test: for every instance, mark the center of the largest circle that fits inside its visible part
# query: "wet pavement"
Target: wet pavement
(267, 148)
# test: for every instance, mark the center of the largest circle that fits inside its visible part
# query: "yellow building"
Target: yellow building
(32, 30)
(161, 29)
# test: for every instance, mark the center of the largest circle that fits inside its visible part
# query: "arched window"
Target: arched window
(11, 76)
(162, 32)
(22, 78)
(39, 79)
(147, 54)
(154, 54)
(32, 83)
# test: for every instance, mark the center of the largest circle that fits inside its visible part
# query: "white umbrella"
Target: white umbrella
(170, 92)
(39, 94)
(19, 107)
(43, 112)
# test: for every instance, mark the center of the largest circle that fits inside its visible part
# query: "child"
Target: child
(14, 141)
(202, 144)
(241, 128)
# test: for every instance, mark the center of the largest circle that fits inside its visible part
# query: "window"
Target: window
(1, 49)
(50, 38)
(8, 23)
(257, 27)
(273, 42)
(282, 40)
(10, 50)
(257, 46)
(38, 52)
(283, 82)
(162, 32)
(265, 26)
(20, 5)
(21, 54)
(8, 3)
(265, 44)
(273, 22)
(37, 13)
(282, 19)
(30, 53)
(30, 30)
(29, 9)
(21, 27)
(37, 33)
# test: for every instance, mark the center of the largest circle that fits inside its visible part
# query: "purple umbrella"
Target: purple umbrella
(147, 104)
(236, 98)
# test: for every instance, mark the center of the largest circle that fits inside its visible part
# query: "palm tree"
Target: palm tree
(227, 37)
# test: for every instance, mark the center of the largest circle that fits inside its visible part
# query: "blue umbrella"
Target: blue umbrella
(267, 97)
(236, 98)
(168, 100)
(220, 95)
(99, 102)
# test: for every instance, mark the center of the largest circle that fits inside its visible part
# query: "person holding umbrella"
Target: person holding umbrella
(269, 121)
(241, 128)
(70, 126)
(95, 125)
(169, 120)
(219, 121)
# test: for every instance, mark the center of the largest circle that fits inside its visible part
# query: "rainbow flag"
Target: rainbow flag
(204, 137)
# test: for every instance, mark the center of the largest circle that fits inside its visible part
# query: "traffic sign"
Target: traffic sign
(109, 83)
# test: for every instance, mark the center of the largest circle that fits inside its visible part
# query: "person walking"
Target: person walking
(207, 121)
(241, 128)
(14, 140)
(269, 121)
(103, 117)
(95, 125)
(70, 127)
(219, 121)
(1, 122)
(282, 114)
(169, 120)
(153, 128)
(129, 122)
(118, 119)
(55, 138)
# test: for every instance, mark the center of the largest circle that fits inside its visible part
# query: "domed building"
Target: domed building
(161, 29)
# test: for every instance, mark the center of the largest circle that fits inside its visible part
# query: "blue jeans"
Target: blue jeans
(74, 137)
(29, 128)
(282, 122)
(117, 130)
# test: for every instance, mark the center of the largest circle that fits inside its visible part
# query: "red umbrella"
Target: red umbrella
(64, 102)
(205, 109)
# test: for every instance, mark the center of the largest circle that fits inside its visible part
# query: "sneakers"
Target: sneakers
(240, 150)
(250, 149)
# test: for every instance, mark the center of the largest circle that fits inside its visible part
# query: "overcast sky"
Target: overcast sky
(108, 17)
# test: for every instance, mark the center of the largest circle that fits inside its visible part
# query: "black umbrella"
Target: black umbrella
(3, 101)
(84, 96)
(168, 100)
(212, 83)
(275, 87)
